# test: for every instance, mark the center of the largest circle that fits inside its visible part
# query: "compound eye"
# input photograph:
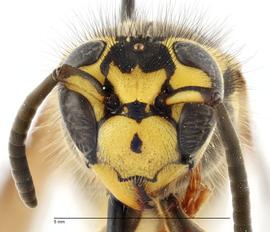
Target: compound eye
(194, 127)
(86, 54)
(196, 57)
(80, 121)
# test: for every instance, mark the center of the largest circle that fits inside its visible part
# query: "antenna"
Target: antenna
(127, 9)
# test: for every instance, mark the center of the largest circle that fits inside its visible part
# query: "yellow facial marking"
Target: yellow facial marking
(159, 145)
(123, 191)
(126, 192)
(176, 111)
(82, 86)
(184, 75)
(167, 175)
(188, 76)
(157, 160)
(94, 69)
(185, 97)
(85, 88)
(136, 85)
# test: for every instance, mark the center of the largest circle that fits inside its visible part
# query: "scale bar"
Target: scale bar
(149, 218)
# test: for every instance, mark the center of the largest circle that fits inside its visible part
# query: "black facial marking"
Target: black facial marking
(195, 56)
(136, 144)
(136, 110)
(154, 56)
(80, 122)
(160, 108)
(195, 124)
(166, 87)
(112, 105)
(86, 54)
(111, 101)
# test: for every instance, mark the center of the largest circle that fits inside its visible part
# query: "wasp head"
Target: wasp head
(141, 111)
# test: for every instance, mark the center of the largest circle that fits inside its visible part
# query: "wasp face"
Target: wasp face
(141, 104)
(140, 114)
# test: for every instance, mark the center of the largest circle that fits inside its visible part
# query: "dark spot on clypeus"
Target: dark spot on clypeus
(136, 144)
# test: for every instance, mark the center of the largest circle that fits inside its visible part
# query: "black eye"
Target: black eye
(80, 121)
(86, 54)
(195, 124)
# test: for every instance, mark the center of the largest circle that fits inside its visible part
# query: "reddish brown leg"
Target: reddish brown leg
(196, 194)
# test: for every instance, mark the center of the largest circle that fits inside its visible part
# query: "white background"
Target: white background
(32, 31)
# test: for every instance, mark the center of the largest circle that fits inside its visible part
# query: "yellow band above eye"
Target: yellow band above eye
(85, 88)
(188, 96)
(82, 86)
